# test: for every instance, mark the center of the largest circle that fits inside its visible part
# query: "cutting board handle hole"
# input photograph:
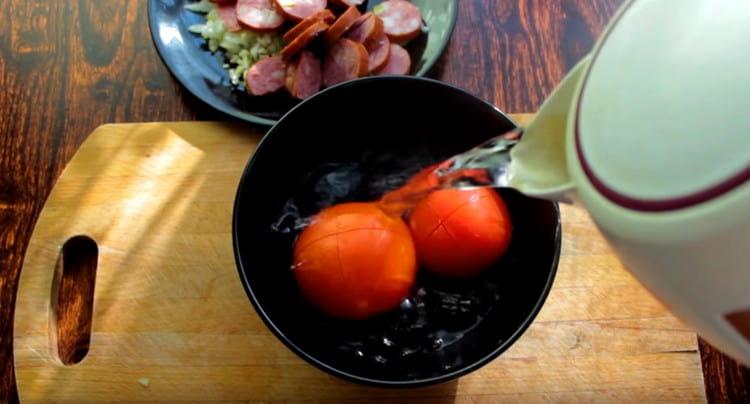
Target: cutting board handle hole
(72, 299)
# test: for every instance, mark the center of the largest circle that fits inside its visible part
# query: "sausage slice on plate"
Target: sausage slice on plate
(266, 76)
(367, 28)
(342, 24)
(302, 40)
(322, 15)
(297, 10)
(228, 15)
(303, 77)
(347, 3)
(260, 15)
(401, 19)
(379, 50)
(346, 60)
(398, 63)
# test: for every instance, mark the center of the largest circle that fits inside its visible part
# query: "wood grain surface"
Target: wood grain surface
(171, 321)
(68, 66)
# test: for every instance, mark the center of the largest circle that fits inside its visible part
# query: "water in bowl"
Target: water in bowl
(439, 313)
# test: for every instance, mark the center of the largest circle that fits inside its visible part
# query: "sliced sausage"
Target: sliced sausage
(341, 25)
(297, 10)
(379, 50)
(260, 15)
(401, 19)
(359, 21)
(367, 28)
(347, 3)
(228, 15)
(302, 40)
(398, 63)
(322, 15)
(346, 60)
(303, 77)
(265, 76)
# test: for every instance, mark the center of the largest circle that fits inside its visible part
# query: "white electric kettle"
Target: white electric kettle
(651, 133)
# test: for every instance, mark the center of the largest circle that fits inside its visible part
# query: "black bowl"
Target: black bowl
(352, 142)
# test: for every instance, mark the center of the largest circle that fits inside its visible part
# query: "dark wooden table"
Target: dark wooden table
(68, 66)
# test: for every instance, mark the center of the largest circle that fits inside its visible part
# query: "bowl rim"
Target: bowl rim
(507, 343)
(250, 117)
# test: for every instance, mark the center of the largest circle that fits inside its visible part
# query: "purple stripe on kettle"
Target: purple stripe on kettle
(640, 204)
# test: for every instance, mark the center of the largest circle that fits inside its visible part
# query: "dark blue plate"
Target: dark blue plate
(201, 72)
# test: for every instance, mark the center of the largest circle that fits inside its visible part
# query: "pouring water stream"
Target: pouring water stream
(531, 160)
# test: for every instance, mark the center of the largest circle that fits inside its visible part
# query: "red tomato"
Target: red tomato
(458, 233)
(355, 261)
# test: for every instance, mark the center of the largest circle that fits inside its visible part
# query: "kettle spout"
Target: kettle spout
(538, 162)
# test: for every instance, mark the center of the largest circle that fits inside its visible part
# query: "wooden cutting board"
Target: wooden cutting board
(171, 320)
